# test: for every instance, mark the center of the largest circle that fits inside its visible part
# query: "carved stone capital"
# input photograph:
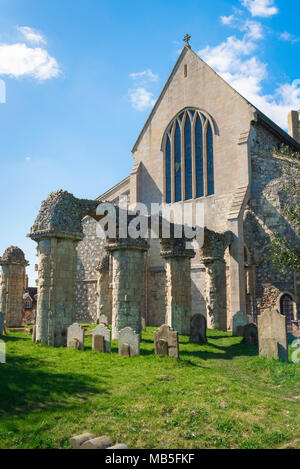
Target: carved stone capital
(175, 247)
(127, 244)
(215, 244)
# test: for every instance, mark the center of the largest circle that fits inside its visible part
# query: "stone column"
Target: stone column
(3, 289)
(213, 251)
(178, 284)
(128, 283)
(12, 285)
(104, 292)
(57, 230)
(57, 265)
(215, 288)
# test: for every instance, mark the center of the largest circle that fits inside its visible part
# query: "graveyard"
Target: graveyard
(220, 394)
(150, 244)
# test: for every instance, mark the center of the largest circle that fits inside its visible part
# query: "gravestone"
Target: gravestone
(104, 331)
(1, 323)
(124, 350)
(99, 343)
(166, 335)
(250, 334)
(74, 343)
(198, 329)
(162, 347)
(75, 336)
(103, 319)
(239, 321)
(272, 335)
(129, 342)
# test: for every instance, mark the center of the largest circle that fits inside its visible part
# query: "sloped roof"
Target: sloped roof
(261, 118)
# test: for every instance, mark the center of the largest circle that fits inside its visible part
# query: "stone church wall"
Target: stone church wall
(156, 306)
(90, 250)
(263, 217)
(198, 290)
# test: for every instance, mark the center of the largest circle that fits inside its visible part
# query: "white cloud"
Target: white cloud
(226, 56)
(235, 61)
(253, 29)
(141, 99)
(288, 37)
(19, 60)
(227, 19)
(27, 158)
(31, 35)
(146, 75)
(263, 8)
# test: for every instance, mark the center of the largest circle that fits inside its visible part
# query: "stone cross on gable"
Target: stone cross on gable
(186, 39)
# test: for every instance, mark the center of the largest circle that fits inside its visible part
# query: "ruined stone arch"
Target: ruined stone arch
(287, 306)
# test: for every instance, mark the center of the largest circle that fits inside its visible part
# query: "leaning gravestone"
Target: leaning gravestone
(198, 329)
(166, 341)
(239, 321)
(129, 342)
(1, 323)
(75, 336)
(272, 335)
(250, 334)
(102, 331)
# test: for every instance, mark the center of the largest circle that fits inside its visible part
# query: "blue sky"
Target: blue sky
(81, 77)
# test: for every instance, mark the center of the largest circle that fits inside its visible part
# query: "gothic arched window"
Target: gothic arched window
(287, 307)
(168, 171)
(188, 157)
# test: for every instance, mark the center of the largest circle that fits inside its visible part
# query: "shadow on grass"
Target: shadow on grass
(10, 338)
(229, 352)
(25, 387)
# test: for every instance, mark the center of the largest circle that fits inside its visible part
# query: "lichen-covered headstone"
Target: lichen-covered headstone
(162, 347)
(250, 334)
(272, 335)
(198, 329)
(1, 323)
(75, 337)
(124, 350)
(104, 331)
(239, 321)
(166, 334)
(129, 342)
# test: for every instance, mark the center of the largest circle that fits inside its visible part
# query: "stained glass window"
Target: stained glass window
(199, 158)
(193, 139)
(168, 171)
(177, 163)
(210, 161)
(188, 159)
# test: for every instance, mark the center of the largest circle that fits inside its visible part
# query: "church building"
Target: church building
(204, 141)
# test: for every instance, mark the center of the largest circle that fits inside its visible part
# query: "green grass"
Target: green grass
(49, 394)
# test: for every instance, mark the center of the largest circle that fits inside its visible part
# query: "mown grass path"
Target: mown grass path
(221, 395)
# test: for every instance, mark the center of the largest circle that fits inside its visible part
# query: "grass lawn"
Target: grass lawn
(221, 395)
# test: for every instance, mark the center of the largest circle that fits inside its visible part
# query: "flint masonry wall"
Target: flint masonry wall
(90, 250)
(263, 217)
